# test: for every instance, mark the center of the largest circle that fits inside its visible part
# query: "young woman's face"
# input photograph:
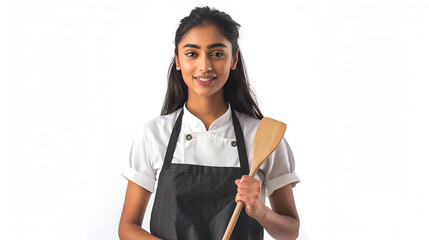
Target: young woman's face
(205, 59)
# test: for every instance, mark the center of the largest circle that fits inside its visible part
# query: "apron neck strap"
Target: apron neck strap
(242, 154)
(173, 141)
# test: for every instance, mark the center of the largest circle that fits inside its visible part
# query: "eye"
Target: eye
(190, 54)
(218, 54)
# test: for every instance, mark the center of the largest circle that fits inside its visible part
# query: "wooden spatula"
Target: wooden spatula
(268, 136)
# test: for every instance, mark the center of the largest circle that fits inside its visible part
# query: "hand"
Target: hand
(248, 192)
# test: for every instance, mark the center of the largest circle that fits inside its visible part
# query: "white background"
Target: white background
(349, 78)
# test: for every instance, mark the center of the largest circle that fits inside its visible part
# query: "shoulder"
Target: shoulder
(247, 121)
(162, 121)
(249, 125)
(160, 125)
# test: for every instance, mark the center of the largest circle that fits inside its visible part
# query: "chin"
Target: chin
(206, 92)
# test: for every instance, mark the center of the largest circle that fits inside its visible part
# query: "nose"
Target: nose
(205, 64)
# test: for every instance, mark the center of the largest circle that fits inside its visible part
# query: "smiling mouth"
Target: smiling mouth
(204, 79)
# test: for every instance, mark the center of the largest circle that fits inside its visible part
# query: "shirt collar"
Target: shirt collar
(195, 124)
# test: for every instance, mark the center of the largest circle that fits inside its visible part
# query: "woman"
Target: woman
(198, 151)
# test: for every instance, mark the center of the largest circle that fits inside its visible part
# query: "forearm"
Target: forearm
(281, 227)
(134, 232)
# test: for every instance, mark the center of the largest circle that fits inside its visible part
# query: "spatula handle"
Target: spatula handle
(233, 221)
(237, 211)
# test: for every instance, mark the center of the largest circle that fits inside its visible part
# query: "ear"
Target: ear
(234, 60)
(177, 63)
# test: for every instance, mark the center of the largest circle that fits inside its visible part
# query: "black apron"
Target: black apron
(195, 202)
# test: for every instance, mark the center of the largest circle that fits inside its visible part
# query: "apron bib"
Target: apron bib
(194, 202)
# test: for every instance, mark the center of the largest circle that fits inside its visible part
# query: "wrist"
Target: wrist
(262, 212)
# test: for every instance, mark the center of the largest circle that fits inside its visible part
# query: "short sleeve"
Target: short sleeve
(280, 168)
(140, 168)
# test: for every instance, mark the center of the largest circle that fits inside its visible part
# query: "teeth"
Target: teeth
(205, 79)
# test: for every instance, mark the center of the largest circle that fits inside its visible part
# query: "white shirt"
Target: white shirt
(150, 145)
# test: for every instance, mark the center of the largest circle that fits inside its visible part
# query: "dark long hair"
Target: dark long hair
(237, 90)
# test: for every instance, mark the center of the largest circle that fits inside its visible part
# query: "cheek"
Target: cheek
(225, 70)
(186, 69)
(189, 66)
(223, 67)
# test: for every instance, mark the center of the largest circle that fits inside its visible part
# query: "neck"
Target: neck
(207, 109)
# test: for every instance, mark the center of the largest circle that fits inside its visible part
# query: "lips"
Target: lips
(205, 80)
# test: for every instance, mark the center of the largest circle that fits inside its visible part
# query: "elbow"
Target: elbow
(296, 232)
(293, 230)
(122, 230)
(296, 235)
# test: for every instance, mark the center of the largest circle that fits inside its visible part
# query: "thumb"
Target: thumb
(237, 182)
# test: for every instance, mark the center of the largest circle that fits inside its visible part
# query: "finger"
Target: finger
(246, 178)
(237, 182)
(245, 199)
(241, 198)
(248, 186)
(244, 185)
(238, 198)
(249, 192)
(253, 193)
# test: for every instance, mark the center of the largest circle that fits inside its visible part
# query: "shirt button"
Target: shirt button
(188, 137)
(234, 143)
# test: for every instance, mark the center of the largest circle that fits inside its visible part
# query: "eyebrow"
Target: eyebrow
(208, 47)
